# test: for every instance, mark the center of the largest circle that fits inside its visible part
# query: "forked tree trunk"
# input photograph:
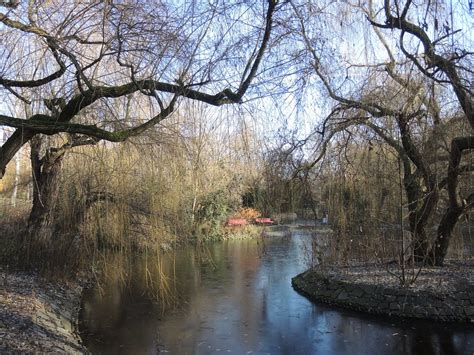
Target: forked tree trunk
(421, 189)
(43, 230)
(457, 207)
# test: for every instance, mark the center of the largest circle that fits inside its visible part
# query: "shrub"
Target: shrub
(247, 213)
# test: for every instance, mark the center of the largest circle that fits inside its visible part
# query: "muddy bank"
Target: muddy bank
(38, 316)
(441, 294)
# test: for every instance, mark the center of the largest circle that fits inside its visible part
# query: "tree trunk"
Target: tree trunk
(45, 195)
(420, 243)
(17, 178)
(417, 225)
(456, 207)
(43, 228)
(421, 202)
(445, 231)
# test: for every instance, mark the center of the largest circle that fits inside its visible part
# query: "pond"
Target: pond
(235, 297)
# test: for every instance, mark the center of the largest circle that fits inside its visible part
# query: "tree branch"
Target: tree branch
(447, 66)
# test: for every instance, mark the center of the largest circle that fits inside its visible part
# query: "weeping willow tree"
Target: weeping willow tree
(396, 88)
(108, 71)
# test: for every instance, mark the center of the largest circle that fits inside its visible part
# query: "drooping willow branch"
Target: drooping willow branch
(60, 121)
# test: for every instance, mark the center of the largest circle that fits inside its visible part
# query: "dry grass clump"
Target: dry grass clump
(247, 213)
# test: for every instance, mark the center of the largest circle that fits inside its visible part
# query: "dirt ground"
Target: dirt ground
(38, 316)
(440, 280)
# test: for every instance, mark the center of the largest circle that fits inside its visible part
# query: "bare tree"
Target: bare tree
(444, 64)
(390, 99)
(72, 62)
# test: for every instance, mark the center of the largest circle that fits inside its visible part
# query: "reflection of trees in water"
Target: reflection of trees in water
(232, 288)
(406, 337)
(274, 235)
(261, 246)
(222, 299)
(164, 281)
(432, 341)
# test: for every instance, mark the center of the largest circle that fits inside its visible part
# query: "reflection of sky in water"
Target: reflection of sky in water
(245, 303)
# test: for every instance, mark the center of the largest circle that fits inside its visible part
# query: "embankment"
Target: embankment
(452, 304)
(38, 316)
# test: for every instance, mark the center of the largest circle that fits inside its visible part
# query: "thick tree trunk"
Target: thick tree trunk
(420, 207)
(419, 216)
(445, 231)
(421, 190)
(40, 230)
(456, 206)
(43, 228)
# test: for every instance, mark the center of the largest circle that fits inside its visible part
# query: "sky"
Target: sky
(271, 115)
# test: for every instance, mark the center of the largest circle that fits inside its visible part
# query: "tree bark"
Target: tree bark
(445, 231)
(46, 171)
(456, 208)
(17, 179)
(421, 202)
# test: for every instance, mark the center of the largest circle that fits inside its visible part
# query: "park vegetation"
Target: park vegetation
(128, 126)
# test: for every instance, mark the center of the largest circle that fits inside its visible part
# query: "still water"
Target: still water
(236, 297)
